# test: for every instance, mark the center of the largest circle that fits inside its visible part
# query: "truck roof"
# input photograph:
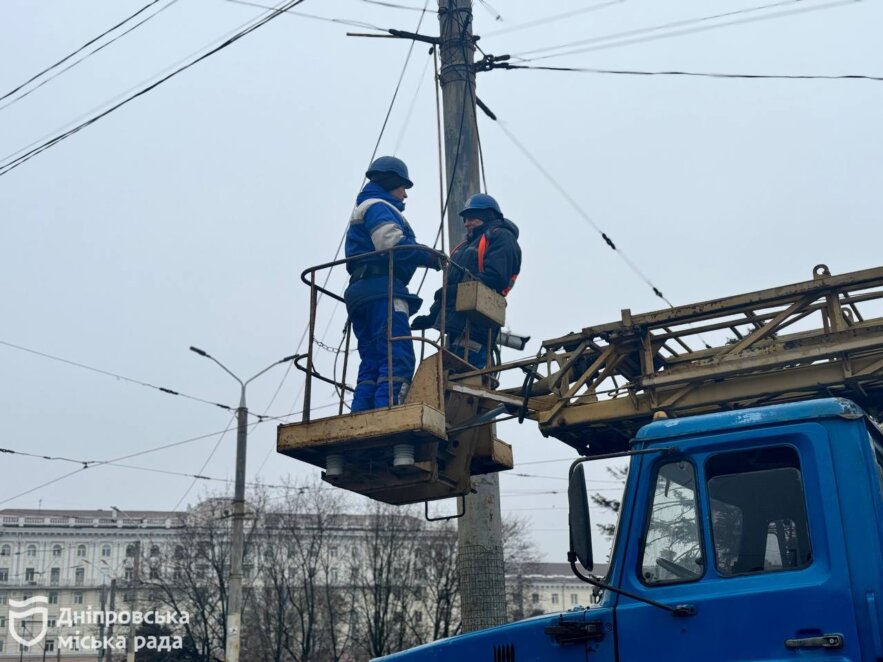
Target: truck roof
(755, 416)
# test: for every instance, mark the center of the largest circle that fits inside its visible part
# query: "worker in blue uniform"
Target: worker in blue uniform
(377, 224)
(491, 254)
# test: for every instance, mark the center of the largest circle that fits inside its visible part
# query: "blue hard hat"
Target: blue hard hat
(480, 204)
(389, 165)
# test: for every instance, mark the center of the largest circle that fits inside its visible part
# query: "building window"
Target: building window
(2, 621)
(554, 598)
(49, 645)
(535, 598)
(30, 575)
(1, 645)
(4, 575)
(54, 576)
(129, 574)
(56, 551)
(130, 551)
(154, 573)
(154, 550)
(418, 616)
(332, 574)
(80, 577)
(24, 649)
(78, 598)
(2, 597)
(332, 551)
(53, 598)
(81, 550)
(105, 550)
(51, 622)
(179, 552)
(6, 550)
(574, 599)
(32, 550)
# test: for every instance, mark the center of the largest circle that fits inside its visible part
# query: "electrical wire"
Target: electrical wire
(619, 39)
(8, 166)
(100, 371)
(394, 5)
(582, 213)
(491, 10)
(87, 56)
(87, 464)
(205, 464)
(552, 19)
(92, 463)
(705, 74)
(341, 21)
(81, 48)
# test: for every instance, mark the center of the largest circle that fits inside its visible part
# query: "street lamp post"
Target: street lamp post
(234, 600)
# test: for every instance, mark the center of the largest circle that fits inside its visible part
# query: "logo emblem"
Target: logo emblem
(19, 613)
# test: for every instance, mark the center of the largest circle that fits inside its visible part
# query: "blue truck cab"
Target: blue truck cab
(754, 534)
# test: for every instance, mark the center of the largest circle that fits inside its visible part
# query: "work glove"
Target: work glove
(422, 322)
(436, 262)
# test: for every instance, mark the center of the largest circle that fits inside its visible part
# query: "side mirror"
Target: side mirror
(579, 521)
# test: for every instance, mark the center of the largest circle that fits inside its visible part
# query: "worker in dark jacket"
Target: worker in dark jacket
(491, 254)
(377, 223)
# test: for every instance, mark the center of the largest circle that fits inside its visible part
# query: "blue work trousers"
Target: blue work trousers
(370, 326)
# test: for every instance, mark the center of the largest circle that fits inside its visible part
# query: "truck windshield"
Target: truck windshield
(758, 511)
(672, 547)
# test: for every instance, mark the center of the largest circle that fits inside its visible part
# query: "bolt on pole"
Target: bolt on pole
(480, 535)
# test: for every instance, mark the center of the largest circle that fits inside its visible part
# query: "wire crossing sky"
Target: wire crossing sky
(185, 216)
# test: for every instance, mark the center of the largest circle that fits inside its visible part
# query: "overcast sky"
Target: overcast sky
(186, 217)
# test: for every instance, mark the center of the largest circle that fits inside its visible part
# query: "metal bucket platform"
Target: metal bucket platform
(366, 440)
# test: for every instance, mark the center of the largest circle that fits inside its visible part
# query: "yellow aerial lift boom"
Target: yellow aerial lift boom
(594, 388)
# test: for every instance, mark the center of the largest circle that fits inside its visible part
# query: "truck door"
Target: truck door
(750, 534)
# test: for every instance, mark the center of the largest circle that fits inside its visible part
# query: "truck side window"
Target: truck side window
(672, 545)
(758, 511)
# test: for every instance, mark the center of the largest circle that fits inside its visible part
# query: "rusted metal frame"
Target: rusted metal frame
(850, 340)
(766, 329)
(599, 362)
(444, 334)
(801, 380)
(348, 330)
(865, 279)
(679, 341)
(568, 364)
(389, 309)
(833, 312)
(308, 385)
(781, 340)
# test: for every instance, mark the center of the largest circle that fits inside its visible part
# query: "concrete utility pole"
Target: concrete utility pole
(237, 542)
(108, 654)
(480, 535)
(136, 581)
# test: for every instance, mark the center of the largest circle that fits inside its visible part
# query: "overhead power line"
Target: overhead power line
(341, 21)
(641, 35)
(86, 56)
(81, 48)
(86, 464)
(702, 74)
(107, 373)
(8, 166)
(552, 19)
(582, 213)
